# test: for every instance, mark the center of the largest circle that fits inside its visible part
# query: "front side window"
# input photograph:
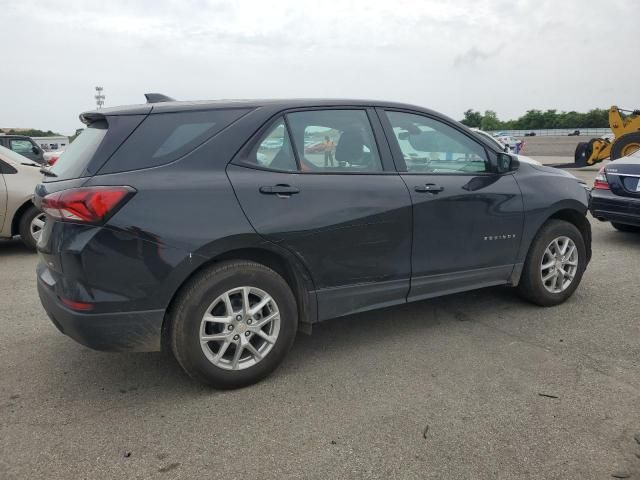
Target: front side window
(274, 150)
(334, 141)
(23, 147)
(430, 146)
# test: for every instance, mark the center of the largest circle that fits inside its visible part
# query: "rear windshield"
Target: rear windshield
(74, 160)
(165, 137)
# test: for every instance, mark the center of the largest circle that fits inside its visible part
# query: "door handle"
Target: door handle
(280, 190)
(429, 188)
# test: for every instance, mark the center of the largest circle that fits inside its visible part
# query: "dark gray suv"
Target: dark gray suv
(219, 229)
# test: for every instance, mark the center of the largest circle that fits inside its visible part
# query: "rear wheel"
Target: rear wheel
(626, 228)
(555, 264)
(625, 145)
(30, 226)
(233, 324)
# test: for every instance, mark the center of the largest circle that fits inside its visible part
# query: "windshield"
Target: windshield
(74, 160)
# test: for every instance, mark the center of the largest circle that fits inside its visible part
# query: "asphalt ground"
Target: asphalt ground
(474, 385)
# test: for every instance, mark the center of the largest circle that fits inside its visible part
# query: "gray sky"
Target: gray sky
(507, 56)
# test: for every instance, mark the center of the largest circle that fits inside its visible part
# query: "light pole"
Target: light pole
(99, 96)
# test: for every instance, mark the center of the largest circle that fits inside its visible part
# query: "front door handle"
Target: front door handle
(429, 188)
(280, 190)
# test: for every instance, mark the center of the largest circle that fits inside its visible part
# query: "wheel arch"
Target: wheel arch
(569, 211)
(15, 221)
(285, 265)
(579, 220)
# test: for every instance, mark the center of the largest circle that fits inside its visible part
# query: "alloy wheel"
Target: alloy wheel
(559, 264)
(239, 328)
(37, 224)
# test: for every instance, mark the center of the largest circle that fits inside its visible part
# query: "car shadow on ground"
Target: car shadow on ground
(159, 374)
(623, 240)
(14, 247)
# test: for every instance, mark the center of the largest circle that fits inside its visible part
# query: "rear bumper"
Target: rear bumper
(605, 205)
(116, 332)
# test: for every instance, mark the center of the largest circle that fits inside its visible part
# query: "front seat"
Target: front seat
(350, 147)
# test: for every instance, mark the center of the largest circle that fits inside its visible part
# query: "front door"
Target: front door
(3, 197)
(467, 218)
(320, 186)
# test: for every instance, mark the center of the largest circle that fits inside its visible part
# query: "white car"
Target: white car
(505, 147)
(18, 215)
(513, 143)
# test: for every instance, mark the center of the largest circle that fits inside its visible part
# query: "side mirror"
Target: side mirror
(35, 150)
(507, 163)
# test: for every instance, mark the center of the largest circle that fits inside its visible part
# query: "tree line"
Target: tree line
(538, 120)
(32, 133)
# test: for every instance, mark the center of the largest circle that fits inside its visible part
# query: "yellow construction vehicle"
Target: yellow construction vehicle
(625, 125)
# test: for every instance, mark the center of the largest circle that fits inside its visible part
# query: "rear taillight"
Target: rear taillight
(74, 305)
(601, 182)
(52, 161)
(86, 205)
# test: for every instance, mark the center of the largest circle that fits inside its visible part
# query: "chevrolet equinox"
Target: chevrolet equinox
(218, 229)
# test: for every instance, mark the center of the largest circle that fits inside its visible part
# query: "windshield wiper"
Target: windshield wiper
(47, 173)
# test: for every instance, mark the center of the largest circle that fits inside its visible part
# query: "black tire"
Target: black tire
(24, 226)
(623, 142)
(187, 311)
(626, 228)
(531, 287)
(580, 155)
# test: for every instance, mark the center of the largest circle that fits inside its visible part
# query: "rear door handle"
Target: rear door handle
(280, 190)
(429, 188)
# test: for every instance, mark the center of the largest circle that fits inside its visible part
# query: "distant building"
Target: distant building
(52, 144)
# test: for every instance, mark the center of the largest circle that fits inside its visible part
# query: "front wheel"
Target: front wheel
(625, 145)
(555, 264)
(233, 324)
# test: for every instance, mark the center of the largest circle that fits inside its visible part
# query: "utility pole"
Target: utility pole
(99, 96)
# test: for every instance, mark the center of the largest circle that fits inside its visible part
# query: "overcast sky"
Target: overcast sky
(507, 56)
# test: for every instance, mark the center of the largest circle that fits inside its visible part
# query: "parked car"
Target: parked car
(615, 196)
(50, 158)
(165, 229)
(23, 145)
(514, 145)
(503, 147)
(18, 215)
(575, 133)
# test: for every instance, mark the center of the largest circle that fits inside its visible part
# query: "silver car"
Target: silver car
(18, 179)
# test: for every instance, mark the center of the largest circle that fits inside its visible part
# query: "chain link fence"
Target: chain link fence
(555, 132)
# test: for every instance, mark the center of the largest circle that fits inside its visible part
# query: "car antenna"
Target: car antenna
(157, 98)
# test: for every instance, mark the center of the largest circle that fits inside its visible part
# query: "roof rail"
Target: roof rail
(157, 98)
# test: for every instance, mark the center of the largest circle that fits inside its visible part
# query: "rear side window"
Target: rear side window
(334, 141)
(73, 162)
(274, 150)
(165, 137)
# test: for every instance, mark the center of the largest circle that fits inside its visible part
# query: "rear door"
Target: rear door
(318, 183)
(467, 219)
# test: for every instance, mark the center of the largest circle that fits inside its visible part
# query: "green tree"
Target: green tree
(472, 118)
(490, 121)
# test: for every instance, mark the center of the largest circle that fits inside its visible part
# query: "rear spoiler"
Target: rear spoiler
(94, 115)
(90, 117)
(158, 98)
